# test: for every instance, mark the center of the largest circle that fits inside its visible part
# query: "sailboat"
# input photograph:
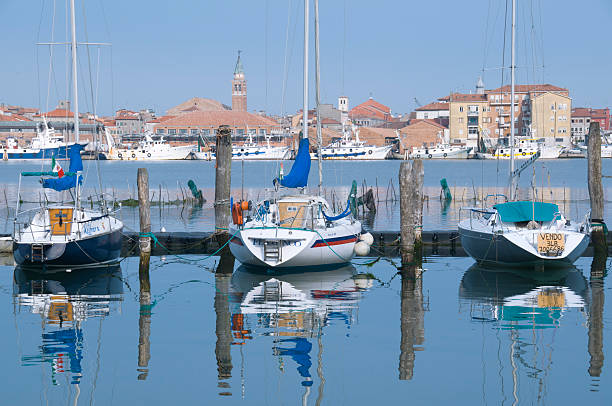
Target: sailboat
(59, 234)
(522, 233)
(293, 229)
(251, 150)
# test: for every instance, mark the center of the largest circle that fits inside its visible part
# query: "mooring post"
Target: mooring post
(411, 210)
(144, 319)
(596, 317)
(412, 318)
(223, 178)
(223, 325)
(596, 195)
(144, 210)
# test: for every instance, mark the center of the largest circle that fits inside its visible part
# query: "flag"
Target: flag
(57, 168)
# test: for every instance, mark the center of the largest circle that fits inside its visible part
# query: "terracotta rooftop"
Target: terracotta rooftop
(528, 88)
(217, 118)
(57, 113)
(433, 107)
(330, 121)
(467, 97)
(13, 117)
(581, 112)
(424, 121)
(127, 117)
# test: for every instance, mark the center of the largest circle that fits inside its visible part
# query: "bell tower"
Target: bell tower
(239, 88)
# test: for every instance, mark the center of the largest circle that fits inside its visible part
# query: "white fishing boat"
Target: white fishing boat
(251, 150)
(60, 235)
(147, 150)
(348, 148)
(46, 145)
(522, 233)
(525, 148)
(442, 150)
(293, 229)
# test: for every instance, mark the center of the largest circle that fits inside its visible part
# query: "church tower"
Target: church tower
(239, 88)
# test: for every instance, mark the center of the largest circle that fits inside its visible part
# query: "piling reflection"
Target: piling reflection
(412, 317)
(144, 317)
(64, 302)
(224, 322)
(596, 325)
(529, 306)
(293, 308)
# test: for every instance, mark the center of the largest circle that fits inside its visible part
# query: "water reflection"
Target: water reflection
(64, 301)
(412, 324)
(293, 308)
(526, 309)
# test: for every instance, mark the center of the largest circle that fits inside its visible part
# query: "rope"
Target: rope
(600, 224)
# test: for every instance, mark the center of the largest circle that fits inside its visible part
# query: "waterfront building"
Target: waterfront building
(582, 118)
(197, 104)
(239, 87)
(421, 133)
(437, 111)
(370, 114)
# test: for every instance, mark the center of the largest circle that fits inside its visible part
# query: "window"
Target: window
(183, 131)
(240, 131)
(460, 132)
(262, 132)
(171, 131)
(497, 131)
(472, 130)
(559, 140)
(160, 131)
(460, 120)
(461, 108)
(552, 130)
(552, 106)
(194, 131)
(206, 132)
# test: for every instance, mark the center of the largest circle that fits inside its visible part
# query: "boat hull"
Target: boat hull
(366, 153)
(169, 154)
(444, 154)
(61, 152)
(100, 248)
(300, 248)
(497, 249)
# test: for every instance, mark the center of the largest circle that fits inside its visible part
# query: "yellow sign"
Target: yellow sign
(551, 244)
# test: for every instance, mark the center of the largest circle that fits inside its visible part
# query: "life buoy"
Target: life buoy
(120, 156)
(429, 156)
(370, 152)
(523, 154)
(133, 155)
(445, 155)
(149, 155)
(418, 156)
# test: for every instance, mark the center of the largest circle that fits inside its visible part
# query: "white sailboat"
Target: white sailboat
(522, 233)
(147, 150)
(56, 236)
(348, 148)
(525, 148)
(293, 229)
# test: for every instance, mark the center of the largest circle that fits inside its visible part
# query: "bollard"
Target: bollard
(144, 209)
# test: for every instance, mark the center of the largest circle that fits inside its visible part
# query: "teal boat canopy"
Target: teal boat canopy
(514, 212)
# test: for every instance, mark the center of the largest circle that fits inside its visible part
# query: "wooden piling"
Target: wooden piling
(223, 175)
(596, 195)
(411, 210)
(144, 209)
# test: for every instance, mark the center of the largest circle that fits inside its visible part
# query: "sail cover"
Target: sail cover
(513, 212)
(70, 179)
(298, 176)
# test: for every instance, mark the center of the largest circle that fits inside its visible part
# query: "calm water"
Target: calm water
(560, 181)
(355, 335)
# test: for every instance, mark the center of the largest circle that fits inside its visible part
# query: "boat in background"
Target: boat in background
(46, 145)
(442, 150)
(525, 148)
(146, 150)
(251, 150)
(348, 148)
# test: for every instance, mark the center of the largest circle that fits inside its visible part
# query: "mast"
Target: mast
(74, 74)
(305, 105)
(512, 72)
(318, 93)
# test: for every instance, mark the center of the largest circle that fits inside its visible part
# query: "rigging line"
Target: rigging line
(42, 11)
(51, 71)
(541, 39)
(343, 47)
(111, 55)
(504, 48)
(266, 56)
(533, 43)
(484, 57)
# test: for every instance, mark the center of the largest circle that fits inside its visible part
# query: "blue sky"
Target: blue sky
(166, 52)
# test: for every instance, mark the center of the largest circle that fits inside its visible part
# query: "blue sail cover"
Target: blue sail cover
(68, 181)
(298, 176)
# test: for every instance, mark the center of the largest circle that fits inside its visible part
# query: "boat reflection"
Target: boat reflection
(523, 298)
(530, 308)
(64, 301)
(293, 308)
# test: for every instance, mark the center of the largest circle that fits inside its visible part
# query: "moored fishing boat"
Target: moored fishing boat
(147, 150)
(347, 148)
(46, 145)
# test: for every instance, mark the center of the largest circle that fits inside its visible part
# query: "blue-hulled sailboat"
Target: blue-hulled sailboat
(56, 236)
(522, 233)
